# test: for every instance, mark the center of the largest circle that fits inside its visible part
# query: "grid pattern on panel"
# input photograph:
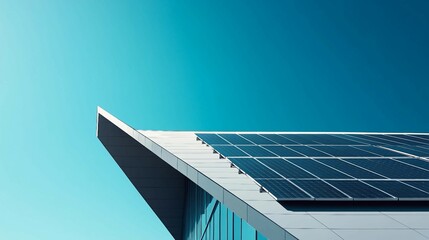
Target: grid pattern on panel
(334, 167)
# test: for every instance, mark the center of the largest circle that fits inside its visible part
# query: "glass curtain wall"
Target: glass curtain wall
(208, 219)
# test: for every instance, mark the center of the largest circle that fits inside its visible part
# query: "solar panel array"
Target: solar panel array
(330, 167)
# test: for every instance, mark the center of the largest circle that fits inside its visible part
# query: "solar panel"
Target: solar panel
(256, 151)
(340, 167)
(349, 169)
(344, 151)
(318, 169)
(284, 190)
(254, 168)
(212, 139)
(285, 168)
(283, 151)
(255, 138)
(391, 168)
(398, 189)
(359, 190)
(422, 185)
(415, 162)
(279, 139)
(308, 151)
(320, 189)
(413, 150)
(300, 138)
(234, 139)
(230, 151)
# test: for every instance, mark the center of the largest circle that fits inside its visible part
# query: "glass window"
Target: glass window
(237, 227)
(223, 222)
(230, 225)
(259, 236)
(247, 231)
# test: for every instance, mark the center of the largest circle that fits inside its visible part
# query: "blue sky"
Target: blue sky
(183, 65)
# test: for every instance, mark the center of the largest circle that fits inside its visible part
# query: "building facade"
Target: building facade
(277, 185)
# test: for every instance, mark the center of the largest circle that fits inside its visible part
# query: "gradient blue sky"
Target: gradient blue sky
(183, 65)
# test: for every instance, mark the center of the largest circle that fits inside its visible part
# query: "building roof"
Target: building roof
(172, 157)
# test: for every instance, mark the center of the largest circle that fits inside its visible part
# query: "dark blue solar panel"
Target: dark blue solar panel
(211, 139)
(319, 189)
(285, 168)
(419, 138)
(318, 169)
(283, 151)
(359, 190)
(255, 138)
(390, 168)
(300, 138)
(352, 163)
(422, 185)
(230, 151)
(402, 139)
(253, 168)
(283, 190)
(371, 140)
(235, 139)
(383, 139)
(308, 151)
(416, 162)
(355, 137)
(344, 151)
(332, 139)
(278, 139)
(256, 151)
(398, 189)
(380, 151)
(413, 150)
(349, 169)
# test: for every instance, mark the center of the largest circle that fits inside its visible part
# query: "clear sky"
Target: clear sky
(185, 65)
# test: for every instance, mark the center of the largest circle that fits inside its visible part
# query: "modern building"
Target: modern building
(277, 185)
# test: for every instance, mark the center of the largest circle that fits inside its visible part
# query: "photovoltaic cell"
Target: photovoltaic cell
(390, 168)
(416, 162)
(398, 189)
(256, 151)
(328, 139)
(380, 151)
(318, 169)
(235, 139)
(421, 141)
(423, 136)
(283, 190)
(319, 189)
(422, 185)
(359, 190)
(413, 150)
(401, 140)
(300, 138)
(257, 139)
(344, 151)
(371, 140)
(253, 168)
(230, 151)
(283, 151)
(279, 139)
(212, 139)
(308, 151)
(285, 168)
(350, 169)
